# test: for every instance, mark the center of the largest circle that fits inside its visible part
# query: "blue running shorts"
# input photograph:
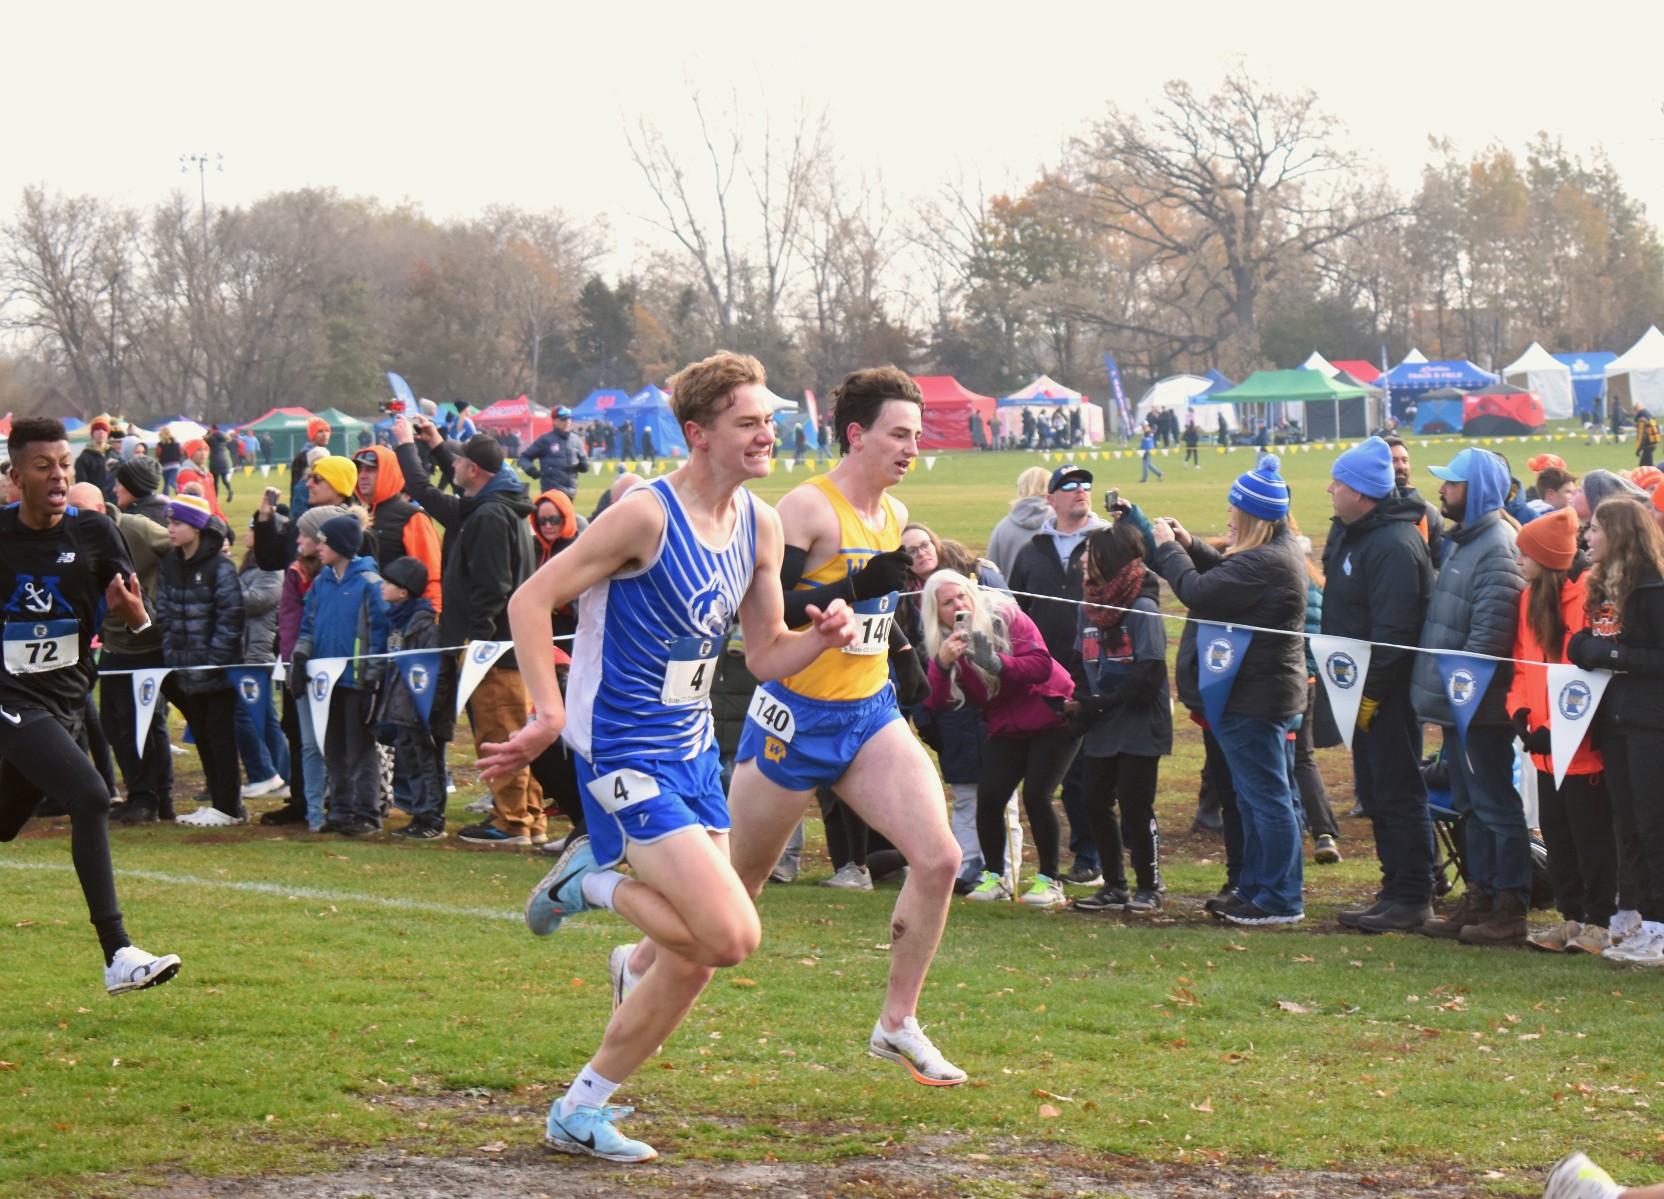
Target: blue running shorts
(624, 803)
(802, 743)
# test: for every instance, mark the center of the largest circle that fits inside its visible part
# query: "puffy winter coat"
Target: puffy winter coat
(1264, 587)
(346, 616)
(556, 460)
(1475, 604)
(262, 589)
(1377, 576)
(199, 605)
(1635, 696)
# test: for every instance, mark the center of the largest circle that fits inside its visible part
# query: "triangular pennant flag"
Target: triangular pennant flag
(1219, 651)
(1573, 696)
(265, 470)
(788, 464)
(253, 687)
(1465, 680)
(478, 660)
(321, 674)
(930, 463)
(421, 674)
(147, 690)
(1343, 665)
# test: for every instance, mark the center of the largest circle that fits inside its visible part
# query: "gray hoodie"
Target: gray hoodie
(1014, 531)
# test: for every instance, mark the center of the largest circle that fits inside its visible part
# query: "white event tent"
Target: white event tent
(1539, 371)
(1635, 379)
(1188, 392)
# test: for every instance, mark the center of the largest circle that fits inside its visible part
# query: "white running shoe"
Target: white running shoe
(210, 817)
(1576, 1177)
(618, 966)
(132, 969)
(1044, 892)
(1625, 922)
(1645, 948)
(850, 877)
(909, 1046)
(990, 888)
(267, 789)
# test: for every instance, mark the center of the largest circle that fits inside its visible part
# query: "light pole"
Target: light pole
(201, 161)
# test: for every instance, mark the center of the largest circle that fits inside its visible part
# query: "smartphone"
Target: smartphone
(1112, 497)
(271, 496)
(960, 620)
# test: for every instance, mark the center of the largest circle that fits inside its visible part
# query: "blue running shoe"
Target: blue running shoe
(561, 893)
(589, 1130)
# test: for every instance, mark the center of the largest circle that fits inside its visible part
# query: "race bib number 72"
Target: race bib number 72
(32, 647)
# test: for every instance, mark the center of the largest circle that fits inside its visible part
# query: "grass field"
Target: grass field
(347, 998)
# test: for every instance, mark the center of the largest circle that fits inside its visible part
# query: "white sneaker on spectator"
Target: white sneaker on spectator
(208, 817)
(268, 788)
(850, 877)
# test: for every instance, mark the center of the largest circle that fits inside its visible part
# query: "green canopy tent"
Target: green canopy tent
(1331, 409)
(343, 431)
(287, 427)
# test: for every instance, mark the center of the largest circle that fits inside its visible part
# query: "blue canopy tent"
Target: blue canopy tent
(1216, 381)
(1588, 378)
(646, 410)
(1409, 381)
(1441, 410)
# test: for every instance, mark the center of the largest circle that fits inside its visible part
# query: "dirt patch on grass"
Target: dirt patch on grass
(944, 1167)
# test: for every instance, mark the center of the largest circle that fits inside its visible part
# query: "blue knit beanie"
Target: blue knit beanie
(1261, 492)
(1367, 469)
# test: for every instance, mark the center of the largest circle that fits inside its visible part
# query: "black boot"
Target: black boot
(134, 811)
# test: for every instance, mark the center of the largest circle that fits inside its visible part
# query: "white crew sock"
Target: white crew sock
(589, 1089)
(599, 887)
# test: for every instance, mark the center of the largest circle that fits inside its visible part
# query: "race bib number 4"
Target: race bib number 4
(873, 619)
(35, 646)
(692, 667)
(774, 716)
(618, 789)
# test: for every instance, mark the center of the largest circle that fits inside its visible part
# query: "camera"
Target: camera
(393, 407)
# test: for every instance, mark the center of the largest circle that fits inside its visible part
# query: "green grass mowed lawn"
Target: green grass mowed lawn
(344, 997)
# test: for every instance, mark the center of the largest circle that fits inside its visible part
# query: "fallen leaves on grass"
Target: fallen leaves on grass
(493, 1146)
(1205, 1106)
(1048, 1112)
(1288, 1005)
(1039, 1094)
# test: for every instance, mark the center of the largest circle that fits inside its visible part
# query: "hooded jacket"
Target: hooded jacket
(1033, 685)
(1264, 587)
(1377, 577)
(402, 529)
(144, 527)
(1530, 686)
(346, 616)
(199, 605)
(1015, 529)
(1039, 570)
(556, 460)
(1475, 601)
(94, 466)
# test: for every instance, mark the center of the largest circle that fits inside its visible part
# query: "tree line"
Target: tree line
(1233, 229)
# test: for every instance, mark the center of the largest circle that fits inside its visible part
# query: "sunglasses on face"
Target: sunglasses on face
(551, 520)
(1074, 485)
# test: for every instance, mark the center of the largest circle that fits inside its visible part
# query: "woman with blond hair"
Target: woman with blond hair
(985, 652)
(1018, 527)
(1626, 635)
(1259, 580)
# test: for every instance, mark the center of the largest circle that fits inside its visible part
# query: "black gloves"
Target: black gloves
(912, 684)
(882, 574)
(1536, 741)
(298, 682)
(1590, 652)
(1091, 709)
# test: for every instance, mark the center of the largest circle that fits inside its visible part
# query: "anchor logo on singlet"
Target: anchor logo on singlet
(38, 598)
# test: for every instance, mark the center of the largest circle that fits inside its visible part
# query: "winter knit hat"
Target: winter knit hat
(192, 510)
(315, 426)
(1551, 539)
(1646, 477)
(1601, 485)
(312, 520)
(1261, 492)
(1538, 463)
(343, 534)
(408, 573)
(140, 476)
(340, 473)
(1366, 468)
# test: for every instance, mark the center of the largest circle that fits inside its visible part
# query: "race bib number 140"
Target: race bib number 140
(873, 619)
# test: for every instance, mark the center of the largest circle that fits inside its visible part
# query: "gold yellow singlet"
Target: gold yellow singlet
(840, 674)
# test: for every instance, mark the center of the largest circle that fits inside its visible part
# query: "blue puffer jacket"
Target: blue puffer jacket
(1475, 603)
(346, 616)
(199, 606)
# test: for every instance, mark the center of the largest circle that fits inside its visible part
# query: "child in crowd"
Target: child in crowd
(418, 753)
(346, 617)
(260, 740)
(308, 782)
(199, 606)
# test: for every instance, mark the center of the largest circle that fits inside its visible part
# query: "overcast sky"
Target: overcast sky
(462, 105)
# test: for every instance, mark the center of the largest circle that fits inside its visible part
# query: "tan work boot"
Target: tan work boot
(1506, 925)
(1474, 908)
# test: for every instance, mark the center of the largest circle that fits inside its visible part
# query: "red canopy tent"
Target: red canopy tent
(1502, 411)
(520, 416)
(947, 412)
(1360, 370)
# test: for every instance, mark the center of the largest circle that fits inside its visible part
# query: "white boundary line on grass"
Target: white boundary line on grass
(288, 892)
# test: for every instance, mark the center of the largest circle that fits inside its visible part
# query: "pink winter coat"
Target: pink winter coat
(1032, 685)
